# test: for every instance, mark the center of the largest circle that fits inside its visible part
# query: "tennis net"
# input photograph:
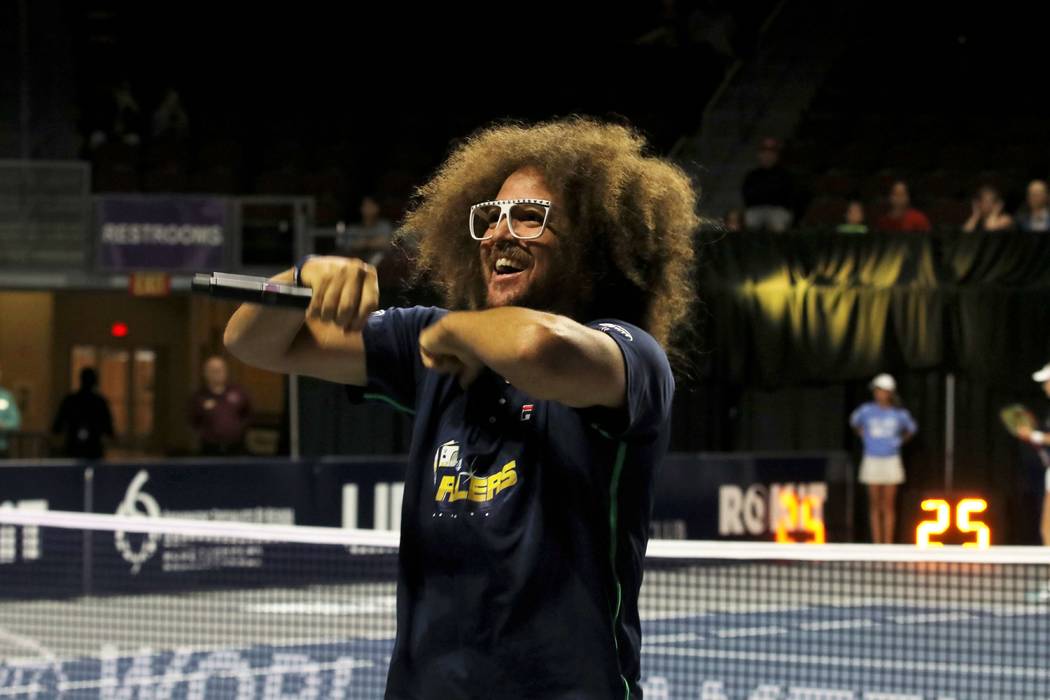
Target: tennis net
(100, 606)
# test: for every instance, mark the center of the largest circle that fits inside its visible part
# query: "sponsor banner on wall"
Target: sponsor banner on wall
(171, 233)
(23, 548)
(791, 498)
(360, 493)
(788, 498)
(267, 492)
(795, 498)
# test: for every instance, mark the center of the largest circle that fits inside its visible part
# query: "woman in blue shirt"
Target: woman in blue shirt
(884, 426)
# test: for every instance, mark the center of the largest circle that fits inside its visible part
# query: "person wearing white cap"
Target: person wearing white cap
(884, 426)
(1039, 439)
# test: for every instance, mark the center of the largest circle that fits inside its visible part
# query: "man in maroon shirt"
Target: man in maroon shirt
(220, 412)
(901, 216)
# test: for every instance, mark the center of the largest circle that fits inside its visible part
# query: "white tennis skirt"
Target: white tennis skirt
(881, 470)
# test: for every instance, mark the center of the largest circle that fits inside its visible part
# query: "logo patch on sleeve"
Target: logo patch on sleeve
(614, 328)
(526, 411)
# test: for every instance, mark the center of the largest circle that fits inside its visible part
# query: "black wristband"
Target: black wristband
(299, 269)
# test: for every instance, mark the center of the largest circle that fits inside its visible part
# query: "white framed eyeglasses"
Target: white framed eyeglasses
(526, 218)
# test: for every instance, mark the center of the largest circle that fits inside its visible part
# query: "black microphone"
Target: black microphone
(251, 289)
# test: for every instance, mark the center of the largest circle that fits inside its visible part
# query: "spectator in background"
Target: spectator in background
(987, 212)
(901, 215)
(116, 117)
(370, 239)
(734, 220)
(854, 219)
(884, 426)
(1040, 440)
(84, 419)
(769, 192)
(10, 418)
(220, 412)
(1034, 215)
(127, 114)
(170, 118)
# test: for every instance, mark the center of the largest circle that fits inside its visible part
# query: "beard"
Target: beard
(544, 295)
(558, 291)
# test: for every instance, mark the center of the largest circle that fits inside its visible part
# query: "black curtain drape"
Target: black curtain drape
(780, 310)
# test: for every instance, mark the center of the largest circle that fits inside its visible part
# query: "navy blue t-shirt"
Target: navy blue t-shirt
(524, 525)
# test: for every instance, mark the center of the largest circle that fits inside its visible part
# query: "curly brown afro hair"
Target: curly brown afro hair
(631, 218)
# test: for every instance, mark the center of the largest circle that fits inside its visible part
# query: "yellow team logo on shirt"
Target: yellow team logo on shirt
(478, 489)
(454, 483)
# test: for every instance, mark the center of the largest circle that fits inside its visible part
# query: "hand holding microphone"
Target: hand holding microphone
(345, 290)
(337, 290)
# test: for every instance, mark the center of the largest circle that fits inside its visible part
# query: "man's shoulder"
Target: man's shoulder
(638, 346)
(627, 332)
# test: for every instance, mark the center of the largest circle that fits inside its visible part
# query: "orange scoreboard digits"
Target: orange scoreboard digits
(929, 531)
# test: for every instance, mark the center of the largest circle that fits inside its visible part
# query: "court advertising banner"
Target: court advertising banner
(790, 498)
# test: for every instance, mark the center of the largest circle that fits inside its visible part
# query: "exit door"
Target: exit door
(127, 379)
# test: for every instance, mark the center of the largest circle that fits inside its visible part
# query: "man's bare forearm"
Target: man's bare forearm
(261, 335)
(548, 356)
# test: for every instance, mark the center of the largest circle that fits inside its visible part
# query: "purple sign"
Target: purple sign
(160, 233)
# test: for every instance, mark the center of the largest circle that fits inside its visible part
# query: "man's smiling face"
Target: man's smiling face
(521, 272)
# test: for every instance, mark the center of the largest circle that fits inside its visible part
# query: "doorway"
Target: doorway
(127, 379)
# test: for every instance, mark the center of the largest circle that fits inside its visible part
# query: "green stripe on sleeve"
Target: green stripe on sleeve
(390, 402)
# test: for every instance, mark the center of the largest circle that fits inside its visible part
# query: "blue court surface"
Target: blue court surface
(841, 652)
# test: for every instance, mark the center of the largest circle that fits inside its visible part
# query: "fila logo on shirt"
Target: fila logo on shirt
(458, 490)
(526, 412)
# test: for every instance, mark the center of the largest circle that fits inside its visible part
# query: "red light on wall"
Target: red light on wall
(119, 329)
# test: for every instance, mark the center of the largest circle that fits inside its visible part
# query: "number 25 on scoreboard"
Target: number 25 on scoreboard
(964, 522)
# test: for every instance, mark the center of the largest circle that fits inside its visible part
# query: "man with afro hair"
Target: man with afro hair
(541, 395)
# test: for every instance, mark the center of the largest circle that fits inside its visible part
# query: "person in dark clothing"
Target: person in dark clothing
(987, 213)
(1035, 214)
(220, 412)
(541, 397)
(769, 192)
(84, 419)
